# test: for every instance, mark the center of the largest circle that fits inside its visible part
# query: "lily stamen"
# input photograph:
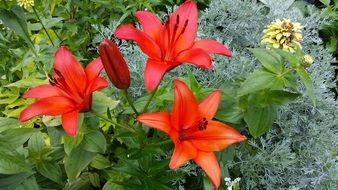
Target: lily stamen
(188, 133)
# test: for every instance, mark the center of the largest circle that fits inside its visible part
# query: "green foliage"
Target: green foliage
(328, 30)
(261, 92)
(15, 19)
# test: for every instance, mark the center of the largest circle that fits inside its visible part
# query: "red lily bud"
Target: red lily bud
(114, 64)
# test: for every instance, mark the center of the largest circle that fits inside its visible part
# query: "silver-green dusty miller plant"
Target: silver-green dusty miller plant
(301, 150)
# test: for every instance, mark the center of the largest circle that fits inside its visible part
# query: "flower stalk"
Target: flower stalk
(43, 26)
(127, 97)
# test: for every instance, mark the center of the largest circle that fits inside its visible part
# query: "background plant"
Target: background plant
(299, 152)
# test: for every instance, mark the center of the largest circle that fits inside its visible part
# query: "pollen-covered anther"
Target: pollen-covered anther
(188, 133)
(203, 123)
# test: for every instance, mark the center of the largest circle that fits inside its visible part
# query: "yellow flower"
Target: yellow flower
(26, 3)
(283, 34)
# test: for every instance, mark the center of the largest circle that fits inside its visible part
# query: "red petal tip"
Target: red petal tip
(242, 138)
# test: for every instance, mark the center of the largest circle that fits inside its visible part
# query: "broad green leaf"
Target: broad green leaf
(55, 135)
(50, 170)
(306, 79)
(36, 143)
(28, 184)
(100, 162)
(280, 97)
(15, 20)
(260, 120)
(17, 136)
(101, 102)
(28, 83)
(292, 58)
(269, 59)
(111, 185)
(77, 161)
(207, 183)
(80, 183)
(11, 162)
(229, 110)
(272, 97)
(10, 182)
(258, 80)
(94, 141)
(8, 123)
(71, 143)
(94, 179)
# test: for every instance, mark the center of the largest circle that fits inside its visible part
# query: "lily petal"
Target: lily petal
(157, 120)
(185, 108)
(212, 46)
(147, 45)
(153, 73)
(196, 57)
(186, 13)
(183, 152)
(97, 84)
(70, 122)
(93, 69)
(43, 91)
(208, 107)
(208, 162)
(216, 137)
(151, 25)
(47, 106)
(70, 69)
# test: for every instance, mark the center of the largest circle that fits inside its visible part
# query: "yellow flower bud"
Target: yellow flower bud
(307, 60)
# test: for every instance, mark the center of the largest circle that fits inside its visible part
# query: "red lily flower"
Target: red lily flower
(195, 135)
(69, 92)
(170, 44)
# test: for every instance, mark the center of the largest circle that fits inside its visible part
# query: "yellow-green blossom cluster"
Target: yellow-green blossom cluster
(283, 34)
(26, 3)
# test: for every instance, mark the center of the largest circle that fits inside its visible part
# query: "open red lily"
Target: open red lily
(195, 135)
(69, 92)
(172, 43)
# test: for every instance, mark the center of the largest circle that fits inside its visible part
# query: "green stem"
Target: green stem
(113, 122)
(286, 72)
(148, 103)
(126, 95)
(43, 26)
(57, 35)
